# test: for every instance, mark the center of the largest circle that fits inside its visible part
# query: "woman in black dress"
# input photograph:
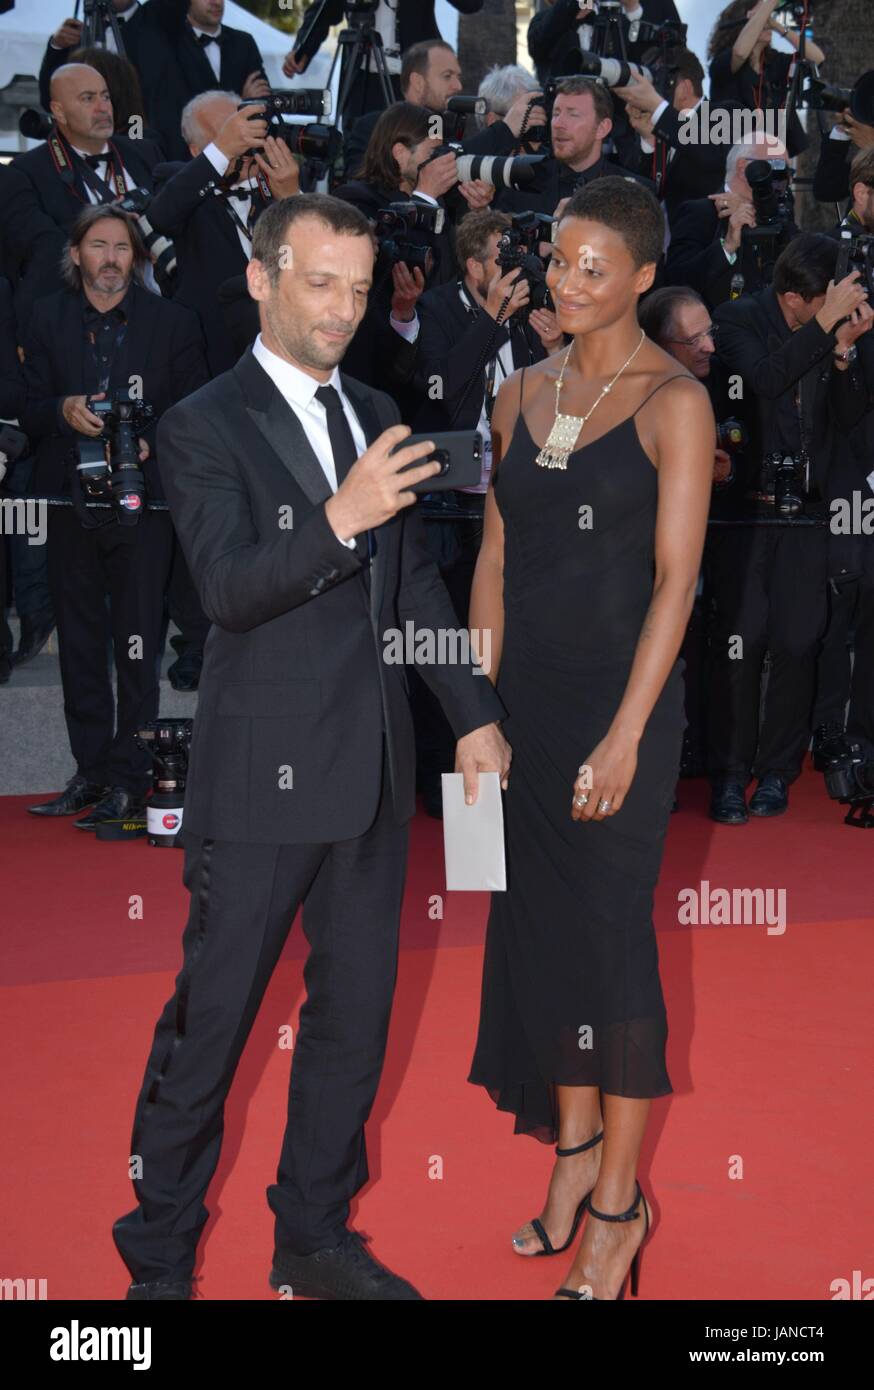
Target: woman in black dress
(744, 68)
(594, 528)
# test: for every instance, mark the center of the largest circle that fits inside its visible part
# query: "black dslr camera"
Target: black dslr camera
(848, 764)
(396, 229)
(168, 741)
(313, 140)
(856, 253)
(785, 477)
(107, 468)
(458, 108)
(770, 182)
(518, 249)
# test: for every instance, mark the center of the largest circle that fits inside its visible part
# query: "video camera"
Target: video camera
(108, 466)
(398, 223)
(517, 249)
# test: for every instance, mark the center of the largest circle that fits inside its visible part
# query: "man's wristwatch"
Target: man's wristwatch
(848, 355)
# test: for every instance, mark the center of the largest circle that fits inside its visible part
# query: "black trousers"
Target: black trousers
(243, 900)
(851, 612)
(109, 583)
(767, 587)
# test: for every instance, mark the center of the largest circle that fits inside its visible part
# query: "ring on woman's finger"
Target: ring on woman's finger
(603, 804)
(581, 800)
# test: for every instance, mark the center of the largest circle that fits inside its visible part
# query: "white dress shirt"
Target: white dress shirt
(212, 51)
(242, 204)
(298, 389)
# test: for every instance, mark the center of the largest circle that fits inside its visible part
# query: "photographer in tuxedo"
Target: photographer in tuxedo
(302, 540)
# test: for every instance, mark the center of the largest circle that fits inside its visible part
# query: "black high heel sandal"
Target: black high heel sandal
(630, 1215)
(537, 1224)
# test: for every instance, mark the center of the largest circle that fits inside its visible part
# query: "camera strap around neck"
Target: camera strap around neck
(69, 163)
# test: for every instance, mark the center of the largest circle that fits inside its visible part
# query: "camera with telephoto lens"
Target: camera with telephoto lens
(307, 101)
(108, 466)
(784, 477)
(311, 140)
(168, 741)
(136, 202)
(825, 96)
(517, 249)
(770, 183)
(458, 108)
(397, 224)
(660, 70)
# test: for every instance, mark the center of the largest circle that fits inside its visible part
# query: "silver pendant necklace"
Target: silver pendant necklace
(567, 428)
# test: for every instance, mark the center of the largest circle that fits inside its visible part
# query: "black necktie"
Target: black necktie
(342, 445)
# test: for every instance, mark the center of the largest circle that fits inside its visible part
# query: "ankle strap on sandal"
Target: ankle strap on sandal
(581, 1148)
(629, 1215)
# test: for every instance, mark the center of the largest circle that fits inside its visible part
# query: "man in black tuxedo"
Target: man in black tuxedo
(683, 168)
(563, 30)
(68, 37)
(209, 205)
(181, 48)
(297, 529)
(400, 24)
(707, 248)
(99, 336)
(582, 119)
(82, 162)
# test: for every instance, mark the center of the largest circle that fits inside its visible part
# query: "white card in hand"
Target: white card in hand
(473, 836)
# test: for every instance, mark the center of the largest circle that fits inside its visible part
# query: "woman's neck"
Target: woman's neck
(602, 352)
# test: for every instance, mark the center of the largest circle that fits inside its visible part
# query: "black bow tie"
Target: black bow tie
(205, 39)
(95, 160)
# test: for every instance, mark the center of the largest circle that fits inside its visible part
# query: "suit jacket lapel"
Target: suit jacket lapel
(282, 430)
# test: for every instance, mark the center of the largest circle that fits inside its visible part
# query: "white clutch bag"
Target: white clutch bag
(473, 836)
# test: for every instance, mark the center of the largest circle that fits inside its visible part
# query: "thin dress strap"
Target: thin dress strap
(521, 388)
(675, 377)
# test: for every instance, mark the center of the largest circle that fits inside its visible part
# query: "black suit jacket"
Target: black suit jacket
(555, 181)
(756, 344)
(173, 68)
(63, 202)
(163, 345)
(293, 675)
(31, 242)
(831, 181)
(553, 40)
(451, 343)
(691, 172)
(208, 249)
(416, 21)
(11, 375)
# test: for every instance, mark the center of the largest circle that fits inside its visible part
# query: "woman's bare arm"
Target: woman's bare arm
(684, 436)
(751, 33)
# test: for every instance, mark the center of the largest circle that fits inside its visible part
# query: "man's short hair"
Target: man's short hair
(71, 275)
(272, 228)
(192, 132)
(657, 313)
(417, 58)
(578, 86)
(626, 207)
(474, 233)
(806, 265)
(750, 148)
(862, 169)
(682, 62)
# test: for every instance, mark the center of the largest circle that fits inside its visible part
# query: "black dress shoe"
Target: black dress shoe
(155, 1289)
(728, 803)
(5, 668)
(32, 640)
(771, 797)
(345, 1271)
(78, 794)
(115, 805)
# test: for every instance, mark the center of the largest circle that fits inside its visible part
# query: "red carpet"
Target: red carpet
(770, 1055)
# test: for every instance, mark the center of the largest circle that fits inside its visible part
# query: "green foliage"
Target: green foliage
(285, 15)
